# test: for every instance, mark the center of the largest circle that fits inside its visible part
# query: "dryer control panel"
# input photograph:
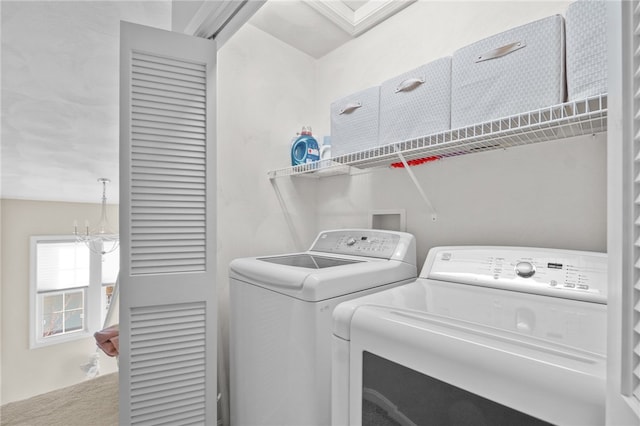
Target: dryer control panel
(367, 242)
(552, 272)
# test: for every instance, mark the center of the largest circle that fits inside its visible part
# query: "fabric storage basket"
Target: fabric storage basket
(354, 122)
(586, 49)
(416, 103)
(512, 72)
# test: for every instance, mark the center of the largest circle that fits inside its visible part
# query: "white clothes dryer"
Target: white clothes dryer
(280, 320)
(485, 336)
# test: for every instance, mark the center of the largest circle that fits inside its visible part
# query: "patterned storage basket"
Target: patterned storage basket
(354, 122)
(416, 103)
(586, 49)
(512, 72)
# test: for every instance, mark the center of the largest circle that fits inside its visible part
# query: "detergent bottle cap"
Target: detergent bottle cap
(306, 130)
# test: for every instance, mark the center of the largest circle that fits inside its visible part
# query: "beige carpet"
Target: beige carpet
(90, 403)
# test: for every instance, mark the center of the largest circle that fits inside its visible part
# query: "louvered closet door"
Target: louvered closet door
(633, 226)
(167, 228)
(623, 231)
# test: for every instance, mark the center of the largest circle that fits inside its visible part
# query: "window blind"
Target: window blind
(61, 265)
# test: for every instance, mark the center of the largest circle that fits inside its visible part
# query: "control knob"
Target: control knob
(351, 241)
(525, 269)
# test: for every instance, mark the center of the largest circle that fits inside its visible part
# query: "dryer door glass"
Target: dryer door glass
(394, 395)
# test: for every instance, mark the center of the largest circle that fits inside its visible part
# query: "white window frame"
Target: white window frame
(62, 293)
(93, 301)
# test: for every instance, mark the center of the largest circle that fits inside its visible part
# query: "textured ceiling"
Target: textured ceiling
(60, 95)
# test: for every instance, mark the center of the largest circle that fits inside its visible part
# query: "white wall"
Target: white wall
(265, 95)
(28, 372)
(551, 194)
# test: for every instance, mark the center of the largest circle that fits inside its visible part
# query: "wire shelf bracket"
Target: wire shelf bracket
(434, 215)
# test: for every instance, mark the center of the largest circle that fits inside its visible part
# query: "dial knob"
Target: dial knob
(351, 241)
(525, 269)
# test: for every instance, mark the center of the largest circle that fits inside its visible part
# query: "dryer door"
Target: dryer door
(408, 367)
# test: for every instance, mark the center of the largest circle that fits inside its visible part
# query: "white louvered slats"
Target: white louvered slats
(635, 227)
(168, 199)
(168, 356)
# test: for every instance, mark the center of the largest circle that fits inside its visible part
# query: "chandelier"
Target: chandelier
(102, 239)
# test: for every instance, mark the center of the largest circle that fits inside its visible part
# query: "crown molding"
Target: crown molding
(359, 21)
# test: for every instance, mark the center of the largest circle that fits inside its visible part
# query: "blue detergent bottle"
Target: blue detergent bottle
(305, 148)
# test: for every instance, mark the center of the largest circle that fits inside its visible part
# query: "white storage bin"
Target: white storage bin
(416, 103)
(586, 49)
(354, 122)
(512, 72)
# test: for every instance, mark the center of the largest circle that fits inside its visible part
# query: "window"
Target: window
(71, 289)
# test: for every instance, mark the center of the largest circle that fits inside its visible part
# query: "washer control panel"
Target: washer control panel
(366, 242)
(552, 272)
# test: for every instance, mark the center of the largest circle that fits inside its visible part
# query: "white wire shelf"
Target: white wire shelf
(575, 118)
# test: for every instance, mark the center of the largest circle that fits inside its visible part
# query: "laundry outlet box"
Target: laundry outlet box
(416, 103)
(586, 49)
(354, 122)
(518, 70)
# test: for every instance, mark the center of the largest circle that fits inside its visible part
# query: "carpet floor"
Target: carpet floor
(90, 403)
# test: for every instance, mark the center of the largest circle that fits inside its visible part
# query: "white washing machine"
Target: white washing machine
(485, 336)
(280, 320)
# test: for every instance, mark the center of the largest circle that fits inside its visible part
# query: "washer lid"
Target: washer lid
(336, 277)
